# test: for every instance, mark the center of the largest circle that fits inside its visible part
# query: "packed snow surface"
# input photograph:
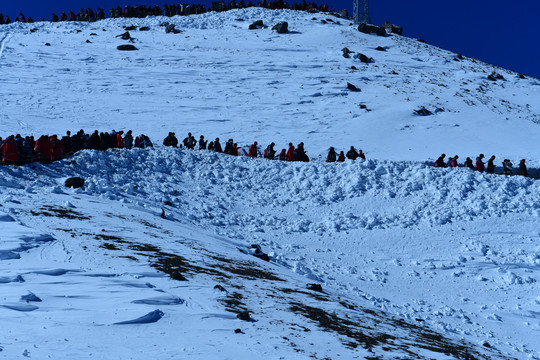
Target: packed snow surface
(412, 259)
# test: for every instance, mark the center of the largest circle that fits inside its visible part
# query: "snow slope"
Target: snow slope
(414, 261)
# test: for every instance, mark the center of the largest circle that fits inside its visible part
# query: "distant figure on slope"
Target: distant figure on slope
(352, 154)
(63, 16)
(491, 166)
(190, 142)
(440, 161)
(146, 142)
(269, 152)
(290, 153)
(341, 157)
(202, 143)
(235, 149)
(57, 149)
(253, 150)
(21, 18)
(283, 155)
(42, 150)
(453, 161)
(523, 168)
(171, 140)
(479, 163)
(361, 154)
(128, 140)
(331, 155)
(217, 146)
(54, 18)
(229, 148)
(301, 153)
(469, 164)
(67, 143)
(10, 151)
(507, 167)
(120, 140)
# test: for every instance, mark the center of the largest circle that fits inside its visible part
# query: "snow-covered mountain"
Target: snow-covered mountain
(414, 261)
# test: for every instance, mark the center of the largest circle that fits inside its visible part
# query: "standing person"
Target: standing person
(507, 167)
(468, 163)
(454, 162)
(171, 140)
(523, 168)
(120, 140)
(42, 150)
(202, 143)
(190, 142)
(440, 161)
(361, 154)
(283, 155)
(229, 148)
(341, 157)
(57, 149)
(253, 150)
(128, 140)
(479, 163)
(331, 155)
(290, 153)
(491, 166)
(301, 153)
(67, 143)
(217, 146)
(10, 151)
(352, 154)
(22, 18)
(269, 152)
(235, 149)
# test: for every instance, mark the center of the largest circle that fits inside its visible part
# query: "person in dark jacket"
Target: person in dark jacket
(301, 153)
(507, 167)
(94, 142)
(331, 155)
(189, 141)
(352, 154)
(217, 146)
(269, 152)
(202, 143)
(469, 164)
(67, 143)
(128, 140)
(491, 165)
(523, 168)
(171, 140)
(440, 161)
(229, 147)
(341, 157)
(480, 166)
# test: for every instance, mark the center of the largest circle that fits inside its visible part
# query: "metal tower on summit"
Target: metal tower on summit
(361, 12)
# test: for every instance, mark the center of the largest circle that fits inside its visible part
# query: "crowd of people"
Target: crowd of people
(16, 150)
(480, 165)
(142, 11)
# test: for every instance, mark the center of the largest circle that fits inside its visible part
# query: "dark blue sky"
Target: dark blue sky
(499, 32)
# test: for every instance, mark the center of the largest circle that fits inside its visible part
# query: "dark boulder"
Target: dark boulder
(392, 29)
(522, 76)
(47, 44)
(170, 29)
(423, 112)
(220, 288)
(380, 48)
(127, 47)
(352, 87)
(459, 56)
(363, 58)
(244, 315)
(176, 275)
(346, 52)
(281, 27)
(144, 28)
(422, 41)
(315, 287)
(130, 28)
(74, 182)
(343, 13)
(124, 36)
(256, 25)
(371, 29)
(494, 76)
(238, 331)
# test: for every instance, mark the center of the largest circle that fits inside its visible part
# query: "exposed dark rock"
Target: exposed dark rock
(88, 42)
(323, 21)
(238, 331)
(352, 87)
(168, 203)
(354, 67)
(314, 287)
(494, 76)
(33, 30)
(362, 106)
(124, 36)
(176, 275)
(423, 112)
(163, 216)
(240, 19)
(392, 29)
(244, 315)
(422, 41)
(380, 48)
(74, 182)
(170, 29)
(220, 288)
(312, 10)
(127, 47)
(281, 27)
(522, 76)
(47, 44)
(363, 58)
(264, 257)
(93, 34)
(130, 28)
(459, 56)
(144, 28)
(343, 13)
(346, 52)
(371, 29)
(329, 20)
(256, 25)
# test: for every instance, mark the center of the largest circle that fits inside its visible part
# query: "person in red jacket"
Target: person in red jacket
(290, 153)
(42, 150)
(253, 150)
(283, 155)
(341, 157)
(235, 149)
(119, 140)
(10, 150)
(57, 149)
(63, 17)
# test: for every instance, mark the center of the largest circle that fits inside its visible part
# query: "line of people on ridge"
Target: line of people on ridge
(232, 148)
(352, 154)
(142, 11)
(16, 150)
(508, 167)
